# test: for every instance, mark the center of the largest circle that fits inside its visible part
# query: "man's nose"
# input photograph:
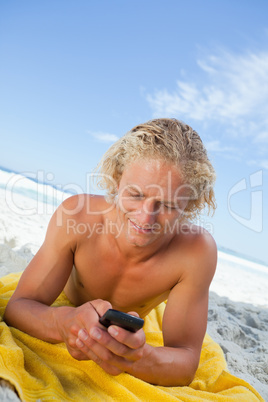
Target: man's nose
(149, 211)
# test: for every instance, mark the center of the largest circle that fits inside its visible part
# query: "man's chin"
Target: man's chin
(140, 240)
(138, 243)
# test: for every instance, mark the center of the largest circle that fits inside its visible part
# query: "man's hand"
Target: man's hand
(114, 349)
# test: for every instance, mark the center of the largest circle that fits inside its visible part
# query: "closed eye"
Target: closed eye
(169, 206)
(136, 195)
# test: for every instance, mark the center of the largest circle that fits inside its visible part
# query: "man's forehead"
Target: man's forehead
(154, 171)
(148, 188)
(152, 177)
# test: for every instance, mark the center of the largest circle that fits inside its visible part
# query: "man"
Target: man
(129, 251)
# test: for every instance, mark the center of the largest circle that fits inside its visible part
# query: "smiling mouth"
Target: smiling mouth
(142, 229)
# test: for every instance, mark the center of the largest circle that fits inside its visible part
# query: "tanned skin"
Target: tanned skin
(129, 256)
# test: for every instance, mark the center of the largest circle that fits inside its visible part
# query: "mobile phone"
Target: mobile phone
(123, 320)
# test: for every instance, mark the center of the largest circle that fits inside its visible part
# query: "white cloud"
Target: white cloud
(262, 137)
(104, 137)
(216, 146)
(234, 92)
(264, 164)
(231, 95)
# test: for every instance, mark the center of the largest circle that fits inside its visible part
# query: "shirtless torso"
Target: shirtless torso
(100, 270)
(130, 256)
(107, 275)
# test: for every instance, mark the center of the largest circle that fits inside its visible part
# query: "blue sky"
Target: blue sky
(76, 75)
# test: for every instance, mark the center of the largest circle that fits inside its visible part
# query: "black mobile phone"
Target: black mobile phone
(123, 320)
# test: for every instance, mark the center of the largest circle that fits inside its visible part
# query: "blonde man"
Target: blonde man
(129, 251)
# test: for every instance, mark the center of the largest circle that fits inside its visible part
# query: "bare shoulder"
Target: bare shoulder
(81, 204)
(83, 207)
(76, 216)
(198, 252)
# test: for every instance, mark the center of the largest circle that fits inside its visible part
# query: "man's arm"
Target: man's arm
(184, 321)
(42, 281)
(184, 326)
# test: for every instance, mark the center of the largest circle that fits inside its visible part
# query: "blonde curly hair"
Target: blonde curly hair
(172, 141)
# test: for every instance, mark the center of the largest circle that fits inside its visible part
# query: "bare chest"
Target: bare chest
(127, 287)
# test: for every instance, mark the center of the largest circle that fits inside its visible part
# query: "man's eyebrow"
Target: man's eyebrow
(133, 187)
(137, 189)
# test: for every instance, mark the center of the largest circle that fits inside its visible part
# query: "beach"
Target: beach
(238, 305)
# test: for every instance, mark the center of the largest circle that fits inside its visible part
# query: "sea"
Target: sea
(29, 185)
(233, 266)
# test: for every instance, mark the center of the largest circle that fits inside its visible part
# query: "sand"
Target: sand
(238, 308)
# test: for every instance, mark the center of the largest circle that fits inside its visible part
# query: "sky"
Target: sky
(77, 75)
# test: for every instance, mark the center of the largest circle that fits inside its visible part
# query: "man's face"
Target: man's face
(151, 199)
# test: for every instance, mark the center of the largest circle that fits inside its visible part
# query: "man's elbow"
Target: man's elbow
(9, 313)
(179, 380)
(184, 379)
(187, 378)
(7, 317)
(190, 363)
(181, 375)
(190, 369)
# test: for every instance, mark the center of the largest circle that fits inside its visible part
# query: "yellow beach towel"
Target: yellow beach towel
(46, 372)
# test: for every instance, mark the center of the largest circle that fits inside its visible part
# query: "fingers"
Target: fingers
(108, 348)
(92, 350)
(132, 340)
(114, 350)
(84, 353)
(133, 313)
(100, 306)
(117, 341)
(79, 321)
